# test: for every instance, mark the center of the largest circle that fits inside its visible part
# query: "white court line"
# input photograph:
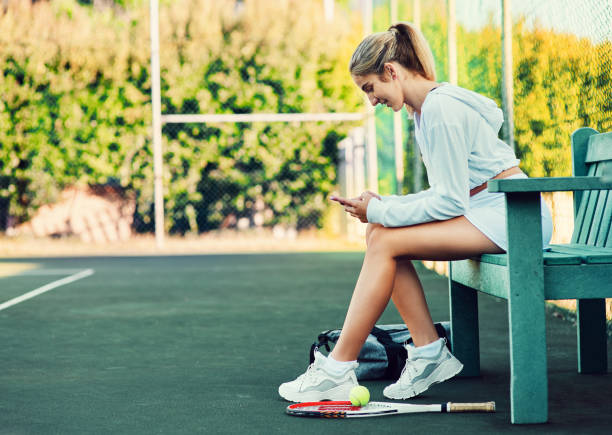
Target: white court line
(44, 272)
(45, 288)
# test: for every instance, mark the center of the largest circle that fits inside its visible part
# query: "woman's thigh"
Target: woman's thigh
(451, 239)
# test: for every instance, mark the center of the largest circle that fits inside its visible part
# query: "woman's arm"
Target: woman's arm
(448, 196)
(406, 198)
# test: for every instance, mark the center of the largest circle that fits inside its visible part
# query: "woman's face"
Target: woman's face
(385, 91)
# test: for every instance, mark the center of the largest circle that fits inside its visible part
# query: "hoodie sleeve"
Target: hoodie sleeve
(448, 195)
(406, 198)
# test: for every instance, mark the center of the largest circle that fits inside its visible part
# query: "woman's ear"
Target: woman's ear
(390, 71)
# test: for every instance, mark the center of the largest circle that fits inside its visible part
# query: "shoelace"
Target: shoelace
(310, 373)
(410, 372)
(410, 368)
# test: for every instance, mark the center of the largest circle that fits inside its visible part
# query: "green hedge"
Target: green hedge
(77, 110)
(75, 106)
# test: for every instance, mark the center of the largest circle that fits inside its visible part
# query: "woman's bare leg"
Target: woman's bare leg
(409, 299)
(386, 273)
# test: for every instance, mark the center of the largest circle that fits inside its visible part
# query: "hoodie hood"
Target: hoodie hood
(487, 108)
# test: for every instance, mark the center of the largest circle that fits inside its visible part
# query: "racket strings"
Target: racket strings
(338, 408)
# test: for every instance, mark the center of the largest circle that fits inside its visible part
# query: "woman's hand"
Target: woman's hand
(357, 207)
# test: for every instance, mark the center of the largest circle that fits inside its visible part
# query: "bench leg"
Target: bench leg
(464, 327)
(526, 309)
(592, 336)
(528, 371)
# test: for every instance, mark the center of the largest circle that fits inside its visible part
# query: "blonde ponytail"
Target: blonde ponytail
(402, 43)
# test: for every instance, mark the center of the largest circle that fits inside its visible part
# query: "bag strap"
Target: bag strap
(382, 336)
(441, 330)
(322, 340)
(396, 353)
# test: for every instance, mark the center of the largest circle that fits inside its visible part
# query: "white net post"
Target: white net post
(452, 43)
(328, 6)
(157, 137)
(507, 79)
(417, 165)
(371, 149)
(397, 128)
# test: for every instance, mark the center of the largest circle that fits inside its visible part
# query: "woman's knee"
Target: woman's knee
(379, 239)
(371, 228)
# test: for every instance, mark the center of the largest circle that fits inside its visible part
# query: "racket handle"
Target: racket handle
(470, 407)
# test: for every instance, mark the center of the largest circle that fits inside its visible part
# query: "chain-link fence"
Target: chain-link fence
(75, 117)
(562, 61)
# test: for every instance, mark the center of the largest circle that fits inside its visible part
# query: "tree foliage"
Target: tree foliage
(77, 110)
(75, 102)
(561, 82)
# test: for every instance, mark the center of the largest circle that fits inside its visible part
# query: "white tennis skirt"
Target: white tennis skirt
(488, 213)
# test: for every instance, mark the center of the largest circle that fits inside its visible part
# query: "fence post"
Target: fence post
(452, 43)
(397, 128)
(156, 127)
(507, 79)
(371, 147)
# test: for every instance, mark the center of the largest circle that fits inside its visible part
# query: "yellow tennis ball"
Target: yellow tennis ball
(359, 396)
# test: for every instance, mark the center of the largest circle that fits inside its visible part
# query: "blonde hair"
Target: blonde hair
(402, 43)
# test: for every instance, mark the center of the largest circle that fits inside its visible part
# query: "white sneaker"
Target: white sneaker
(316, 384)
(420, 373)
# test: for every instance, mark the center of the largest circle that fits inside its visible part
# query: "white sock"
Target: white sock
(337, 368)
(430, 350)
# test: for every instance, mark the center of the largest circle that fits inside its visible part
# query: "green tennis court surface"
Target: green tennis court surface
(199, 344)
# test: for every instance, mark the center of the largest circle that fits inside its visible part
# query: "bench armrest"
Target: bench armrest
(549, 184)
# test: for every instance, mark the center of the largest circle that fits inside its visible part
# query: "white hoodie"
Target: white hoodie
(457, 134)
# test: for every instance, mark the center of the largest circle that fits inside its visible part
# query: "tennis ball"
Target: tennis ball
(359, 396)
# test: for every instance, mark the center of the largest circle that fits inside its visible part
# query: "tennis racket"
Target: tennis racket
(344, 409)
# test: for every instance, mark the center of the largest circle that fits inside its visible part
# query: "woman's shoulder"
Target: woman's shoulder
(449, 103)
(442, 106)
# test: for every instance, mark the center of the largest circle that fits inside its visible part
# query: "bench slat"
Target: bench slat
(560, 255)
(606, 217)
(600, 148)
(597, 224)
(580, 141)
(589, 254)
(550, 258)
(606, 222)
(558, 258)
(582, 222)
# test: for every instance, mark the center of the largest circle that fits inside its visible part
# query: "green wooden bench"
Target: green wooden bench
(526, 276)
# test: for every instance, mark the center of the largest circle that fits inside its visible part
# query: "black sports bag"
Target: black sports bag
(383, 354)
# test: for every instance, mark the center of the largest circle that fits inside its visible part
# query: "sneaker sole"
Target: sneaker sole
(341, 392)
(445, 371)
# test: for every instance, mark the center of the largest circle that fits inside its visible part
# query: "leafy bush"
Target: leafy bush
(77, 110)
(74, 110)
(75, 106)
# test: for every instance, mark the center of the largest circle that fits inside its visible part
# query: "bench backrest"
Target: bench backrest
(592, 156)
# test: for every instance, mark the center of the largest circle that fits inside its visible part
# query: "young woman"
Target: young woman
(456, 218)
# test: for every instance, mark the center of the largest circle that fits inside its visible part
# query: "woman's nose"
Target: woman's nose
(373, 100)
